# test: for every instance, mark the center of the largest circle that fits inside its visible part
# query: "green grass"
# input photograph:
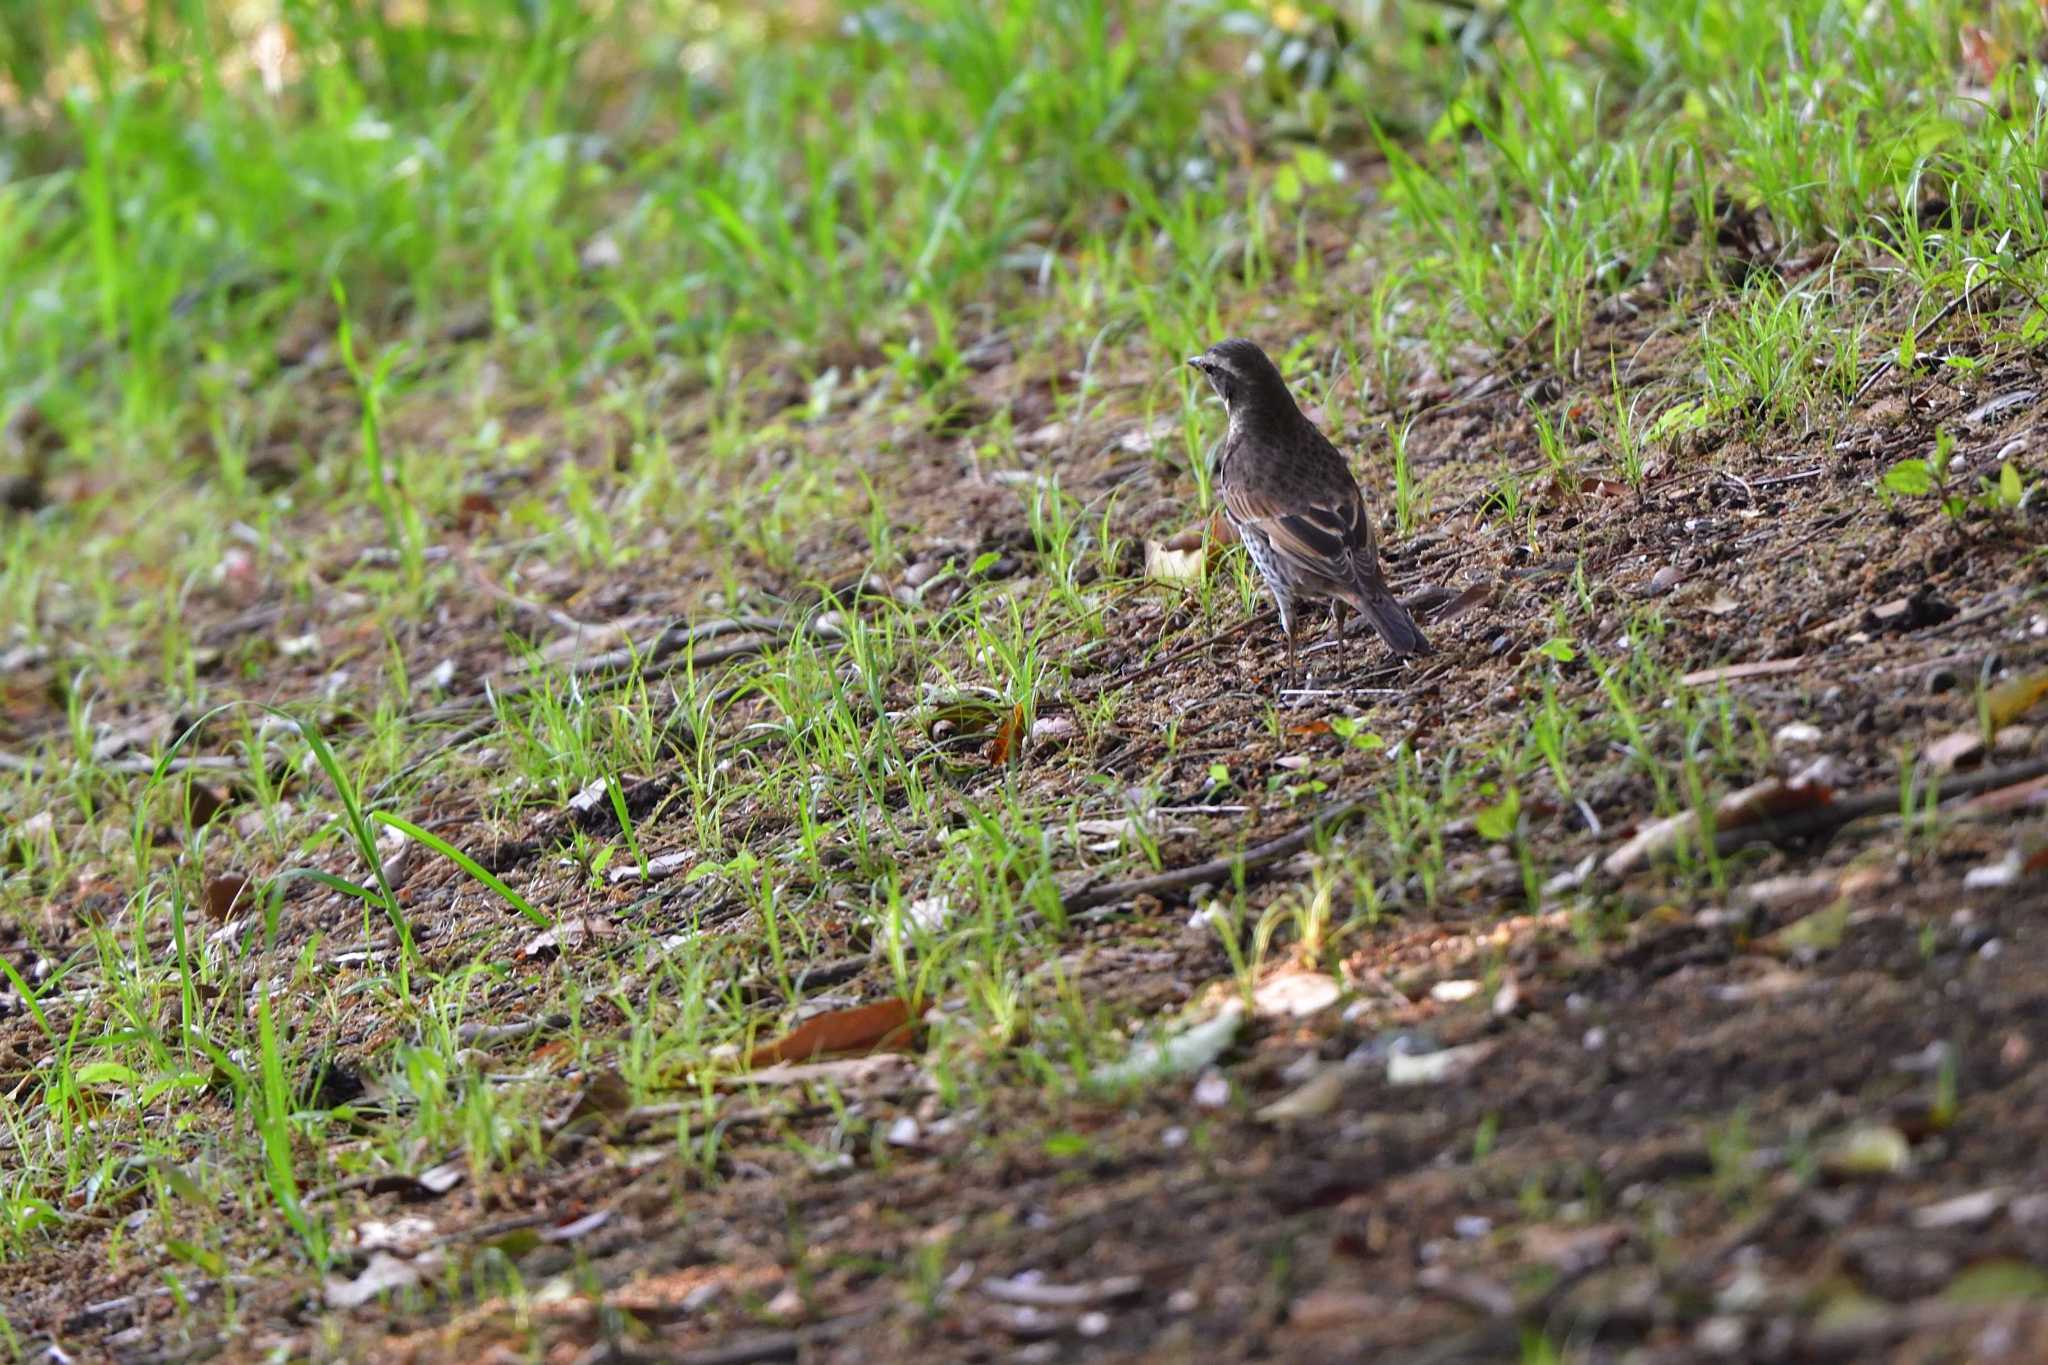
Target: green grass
(640, 311)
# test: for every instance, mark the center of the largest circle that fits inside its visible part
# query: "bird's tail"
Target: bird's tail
(1390, 619)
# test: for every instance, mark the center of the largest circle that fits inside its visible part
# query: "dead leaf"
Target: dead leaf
(1048, 728)
(1334, 1310)
(1005, 748)
(204, 802)
(1032, 1291)
(1569, 1249)
(567, 934)
(1317, 726)
(1963, 749)
(1434, 1068)
(474, 511)
(882, 1070)
(930, 913)
(407, 1234)
(1814, 933)
(1868, 1149)
(384, 1274)
(886, 1026)
(1762, 668)
(2012, 699)
(227, 894)
(1983, 56)
(578, 1228)
(1178, 1054)
(1295, 995)
(1166, 565)
(1316, 1096)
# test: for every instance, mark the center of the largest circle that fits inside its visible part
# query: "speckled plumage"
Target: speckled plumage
(1291, 498)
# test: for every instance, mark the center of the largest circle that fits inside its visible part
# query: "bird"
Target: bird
(1290, 497)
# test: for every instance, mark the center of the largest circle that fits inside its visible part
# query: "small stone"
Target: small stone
(1664, 580)
(1963, 749)
(2013, 740)
(1797, 735)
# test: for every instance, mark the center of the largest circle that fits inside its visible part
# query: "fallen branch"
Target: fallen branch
(1806, 824)
(1216, 869)
(1962, 300)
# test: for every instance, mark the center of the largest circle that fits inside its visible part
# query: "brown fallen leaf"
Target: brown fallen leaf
(1006, 747)
(1983, 55)
(227, 894)
(204, 802)
(473, 511)
(885, 1026)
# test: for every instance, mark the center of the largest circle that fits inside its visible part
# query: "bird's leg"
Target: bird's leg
(1336, 619)
(1287, 629)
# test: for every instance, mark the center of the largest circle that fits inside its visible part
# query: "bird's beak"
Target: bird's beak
(1195, 361)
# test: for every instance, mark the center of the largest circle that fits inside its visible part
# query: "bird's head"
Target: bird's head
(1242, 376)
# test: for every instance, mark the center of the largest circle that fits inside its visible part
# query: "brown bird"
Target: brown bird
(1294, 504)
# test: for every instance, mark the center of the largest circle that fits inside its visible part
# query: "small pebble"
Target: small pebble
(1797, 735)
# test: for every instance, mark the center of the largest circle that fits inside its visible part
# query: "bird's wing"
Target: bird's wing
(1328, 535)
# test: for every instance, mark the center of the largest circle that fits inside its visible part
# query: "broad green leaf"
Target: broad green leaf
(1497, 821)
(1910, 478)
